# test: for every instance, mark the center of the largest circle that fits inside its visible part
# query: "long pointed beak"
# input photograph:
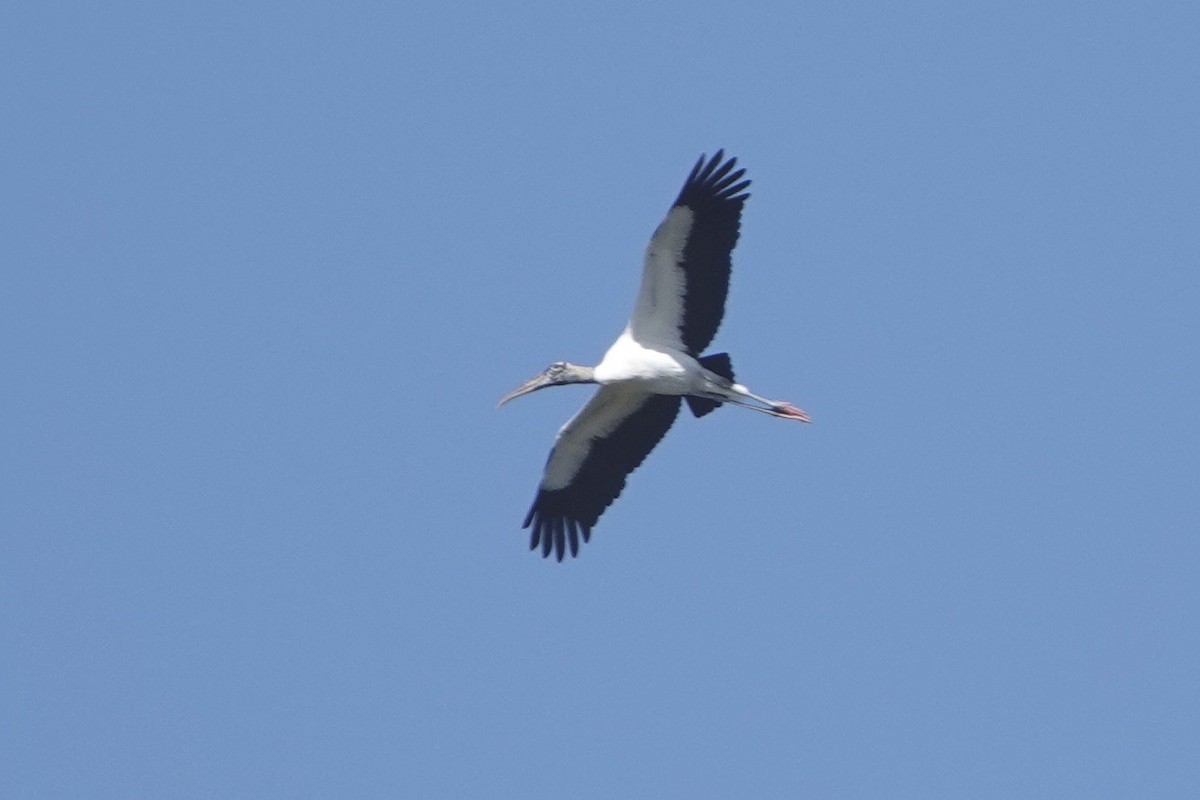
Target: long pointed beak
(532, 385)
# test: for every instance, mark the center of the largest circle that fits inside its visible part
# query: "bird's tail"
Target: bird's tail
(721, 364)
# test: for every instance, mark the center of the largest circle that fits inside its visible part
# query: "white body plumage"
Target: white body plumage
(653, 366)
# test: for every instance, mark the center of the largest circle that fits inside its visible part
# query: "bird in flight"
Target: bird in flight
(653, 366)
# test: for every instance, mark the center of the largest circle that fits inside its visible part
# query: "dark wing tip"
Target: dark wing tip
(555, 531)
(715, 193)
(714, 181)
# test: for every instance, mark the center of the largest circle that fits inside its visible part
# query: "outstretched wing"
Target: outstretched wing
(593, 454)
(686, 275)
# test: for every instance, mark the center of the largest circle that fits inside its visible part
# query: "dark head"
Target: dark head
(557, 374)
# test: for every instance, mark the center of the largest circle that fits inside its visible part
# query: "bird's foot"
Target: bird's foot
(789, 411)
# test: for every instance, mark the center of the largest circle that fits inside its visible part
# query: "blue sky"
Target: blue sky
(268, 268)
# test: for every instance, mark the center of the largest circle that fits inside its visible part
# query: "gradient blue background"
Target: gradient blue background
(267, 269)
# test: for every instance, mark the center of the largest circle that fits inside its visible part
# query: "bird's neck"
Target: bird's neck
(578, 374)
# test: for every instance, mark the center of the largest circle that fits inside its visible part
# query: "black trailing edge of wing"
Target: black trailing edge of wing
(558, 518)
(714, 191)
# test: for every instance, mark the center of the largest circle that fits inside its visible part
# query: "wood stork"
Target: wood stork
(654, 363)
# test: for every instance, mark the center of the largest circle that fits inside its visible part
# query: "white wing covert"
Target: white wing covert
(685, 278)
(593, 454)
